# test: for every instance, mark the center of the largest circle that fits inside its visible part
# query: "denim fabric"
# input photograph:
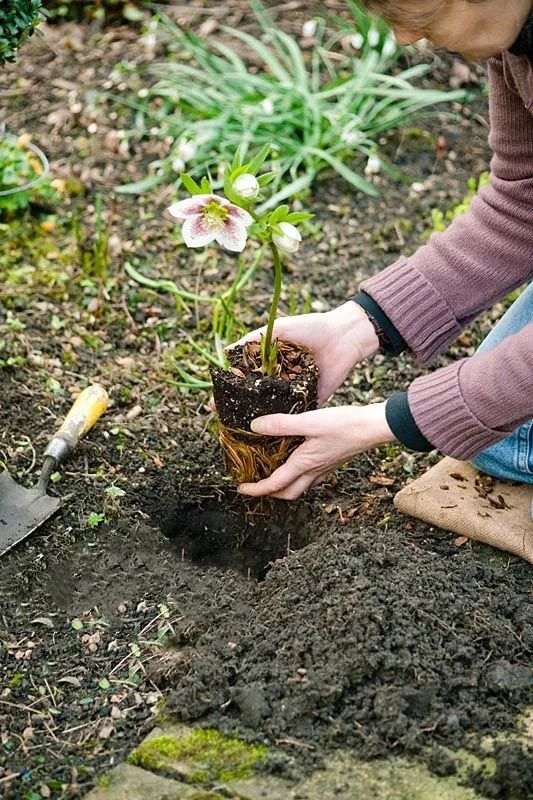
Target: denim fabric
(512, 458)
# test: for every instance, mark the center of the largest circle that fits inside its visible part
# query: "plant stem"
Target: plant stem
(269, 352)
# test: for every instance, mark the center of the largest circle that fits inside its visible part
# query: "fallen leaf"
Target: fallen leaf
(106, 730)
(70, 679)
(46, 621)
(499, 503)
(134, 412)
(460, 541)
(382, 480)
(457, 476)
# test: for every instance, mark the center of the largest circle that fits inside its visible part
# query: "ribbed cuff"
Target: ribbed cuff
(396, 344)
(402, 423)
(442, 415)
(418, 312)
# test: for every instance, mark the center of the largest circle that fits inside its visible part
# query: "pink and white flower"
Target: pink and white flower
(209, 217)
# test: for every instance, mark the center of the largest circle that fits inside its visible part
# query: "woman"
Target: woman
(479, 409)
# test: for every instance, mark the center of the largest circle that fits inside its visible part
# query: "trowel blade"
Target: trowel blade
(21, 511)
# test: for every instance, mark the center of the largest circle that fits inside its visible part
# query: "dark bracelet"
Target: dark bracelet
(390, 340)
(383, 339)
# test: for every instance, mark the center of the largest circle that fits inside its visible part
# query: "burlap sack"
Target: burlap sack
(452, 495)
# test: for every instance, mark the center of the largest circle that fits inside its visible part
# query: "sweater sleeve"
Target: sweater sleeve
(472, 404)
(432, 296)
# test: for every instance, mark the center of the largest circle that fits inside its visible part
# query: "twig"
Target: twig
(24, 708)
(295, 743)
(11, 777)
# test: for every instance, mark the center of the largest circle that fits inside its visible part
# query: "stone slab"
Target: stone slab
(127, 782)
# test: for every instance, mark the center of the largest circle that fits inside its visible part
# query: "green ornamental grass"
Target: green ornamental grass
(320, 110)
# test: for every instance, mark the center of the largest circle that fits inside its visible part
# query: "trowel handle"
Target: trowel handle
(87, 409)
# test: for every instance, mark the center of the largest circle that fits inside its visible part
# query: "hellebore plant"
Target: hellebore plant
(231, 220)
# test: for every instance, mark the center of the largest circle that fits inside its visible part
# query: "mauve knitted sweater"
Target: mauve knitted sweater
(432, 296)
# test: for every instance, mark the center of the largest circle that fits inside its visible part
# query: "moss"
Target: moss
(207, 755)
(205, 796)
(25, 265)
(16, 680)
(104, 781)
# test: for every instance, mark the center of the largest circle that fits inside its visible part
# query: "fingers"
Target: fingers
(280, 479)
(296, 488)
(306, 424)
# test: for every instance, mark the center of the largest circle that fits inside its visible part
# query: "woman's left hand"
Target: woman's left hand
(332, 436)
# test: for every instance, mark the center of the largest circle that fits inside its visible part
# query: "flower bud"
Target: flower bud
(268, 106)
(246, 186)
(389, 47)
(186, 149)
(357, 41)
(373, 165)
(309, 29)
(289, 239)
(373, 37)
(178, 165)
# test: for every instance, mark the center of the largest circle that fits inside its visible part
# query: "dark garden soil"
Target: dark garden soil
(331, 622)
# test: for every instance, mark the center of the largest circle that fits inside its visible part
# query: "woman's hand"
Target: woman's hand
(337, 339)
(332, 436)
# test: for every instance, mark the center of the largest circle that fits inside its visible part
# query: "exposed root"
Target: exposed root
(250, 457)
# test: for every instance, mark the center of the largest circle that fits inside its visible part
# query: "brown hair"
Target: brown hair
(405, 13)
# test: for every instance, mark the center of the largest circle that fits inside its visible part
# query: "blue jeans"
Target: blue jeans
(512, 458)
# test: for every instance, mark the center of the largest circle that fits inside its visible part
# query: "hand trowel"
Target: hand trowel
(23, 510)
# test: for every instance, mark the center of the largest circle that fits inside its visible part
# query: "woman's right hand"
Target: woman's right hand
(337, 339)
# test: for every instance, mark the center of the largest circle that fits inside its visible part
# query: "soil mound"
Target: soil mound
(361, 640)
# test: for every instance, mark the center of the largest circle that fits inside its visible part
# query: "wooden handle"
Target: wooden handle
(86, 411)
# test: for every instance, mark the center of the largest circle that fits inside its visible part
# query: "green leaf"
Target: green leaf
(228, 190)
(298, 216)
(94, 519)
(240, 155)
(190, 184)
(114, 492)
(357, 181)
(259, 159)
(279, 214)
(205, 186)
(76, 624)
(132, 13)
(142, 186)
(86, 701)
(266, 178)
(104, 684)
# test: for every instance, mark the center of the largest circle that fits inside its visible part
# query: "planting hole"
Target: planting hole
(229, 532)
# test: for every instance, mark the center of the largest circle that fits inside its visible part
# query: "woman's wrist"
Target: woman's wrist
(353, 323)
(379, 429)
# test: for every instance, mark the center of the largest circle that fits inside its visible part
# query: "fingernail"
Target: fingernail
(257, 426)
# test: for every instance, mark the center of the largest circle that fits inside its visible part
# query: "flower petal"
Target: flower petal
(232, 236)
(240, 216)
(189, 207)
(196, 233)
